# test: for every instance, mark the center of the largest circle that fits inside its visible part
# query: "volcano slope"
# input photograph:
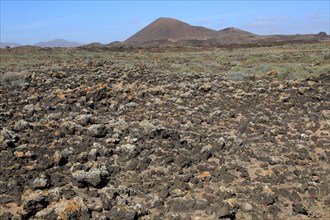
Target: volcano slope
(241, 133)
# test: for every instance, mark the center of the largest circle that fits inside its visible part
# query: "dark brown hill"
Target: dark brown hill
(170, 29)
(172, 32)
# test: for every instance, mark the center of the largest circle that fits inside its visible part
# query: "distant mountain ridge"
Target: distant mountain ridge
(58, 43)
(11, 45)
(52, 43)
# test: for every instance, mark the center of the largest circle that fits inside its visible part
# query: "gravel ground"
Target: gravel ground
(92, 140)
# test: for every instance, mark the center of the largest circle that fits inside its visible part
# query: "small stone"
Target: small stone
(19, 154)
(6, 216)
(121, 213)
(61, 158)
(41, 182)
(35, 201)
(107, 202)
(144, 163)
(327, 202)
(206, 87)
(264, 198)
(128, 147)
(224, 212)
(177, 193)
(70, 128)
(85, 119)
(163, 193)
(7, 134)
(93, 154)
(22, 125)
(5, 199)
(156, 202)
(247, 207)
(92, 177)
(202, 204)
(208, 211)
(183, 161)
(94, 207)
(132, 164)
(66, 209)
(299, 208)
(97, 131)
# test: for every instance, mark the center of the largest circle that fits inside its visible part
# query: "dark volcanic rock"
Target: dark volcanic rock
(41, 182)
(93, 177)
(6, 216)
(97, 131)
(299, 209)
(150, 136)
(121, 213)
(22, 125)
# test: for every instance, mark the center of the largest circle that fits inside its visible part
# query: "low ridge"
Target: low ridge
(235, 31)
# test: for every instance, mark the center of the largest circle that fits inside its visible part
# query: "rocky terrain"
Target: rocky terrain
(165, 135)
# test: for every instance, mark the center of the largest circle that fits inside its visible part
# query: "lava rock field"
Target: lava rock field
(91, 140)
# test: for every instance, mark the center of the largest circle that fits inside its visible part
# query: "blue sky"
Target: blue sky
(28, 22)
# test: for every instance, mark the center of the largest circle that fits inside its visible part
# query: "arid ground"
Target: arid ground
(232, 133)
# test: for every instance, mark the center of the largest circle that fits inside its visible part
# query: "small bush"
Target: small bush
(239, 76)
(252, 59)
